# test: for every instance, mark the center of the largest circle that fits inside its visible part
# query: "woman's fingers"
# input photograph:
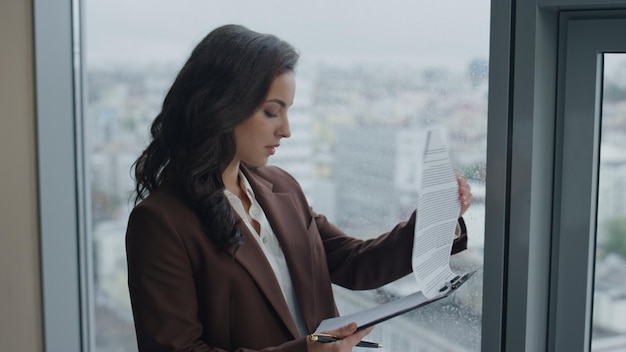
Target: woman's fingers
(465, 193)
(348, 336)
(344, 331)
(355, 338)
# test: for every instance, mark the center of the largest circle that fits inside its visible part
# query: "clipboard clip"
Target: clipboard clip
(455, 282)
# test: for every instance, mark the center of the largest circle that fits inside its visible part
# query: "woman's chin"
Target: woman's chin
(256, 163)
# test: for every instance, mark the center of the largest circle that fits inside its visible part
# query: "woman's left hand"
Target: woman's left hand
(465, 192)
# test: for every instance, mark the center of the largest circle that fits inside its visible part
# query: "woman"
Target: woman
(224, 253)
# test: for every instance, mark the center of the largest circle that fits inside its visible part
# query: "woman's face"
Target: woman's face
(258, 137)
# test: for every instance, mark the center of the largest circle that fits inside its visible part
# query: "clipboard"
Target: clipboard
(386, 311)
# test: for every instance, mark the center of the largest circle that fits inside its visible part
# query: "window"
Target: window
(369, 83)
(609, 297)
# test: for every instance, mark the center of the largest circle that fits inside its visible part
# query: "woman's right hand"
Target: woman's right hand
(348, 335)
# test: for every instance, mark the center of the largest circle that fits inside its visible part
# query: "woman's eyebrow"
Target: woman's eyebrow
(277, 101)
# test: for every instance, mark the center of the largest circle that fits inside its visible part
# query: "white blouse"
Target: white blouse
(271, 247)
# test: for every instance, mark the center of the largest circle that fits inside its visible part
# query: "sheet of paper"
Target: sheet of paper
(437, 215)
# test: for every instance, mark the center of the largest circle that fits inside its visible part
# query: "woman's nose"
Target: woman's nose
(284, 131)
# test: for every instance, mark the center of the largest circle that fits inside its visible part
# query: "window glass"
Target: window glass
(609, 299)
(373, 75)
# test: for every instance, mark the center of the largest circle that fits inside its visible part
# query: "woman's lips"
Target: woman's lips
(272, 149)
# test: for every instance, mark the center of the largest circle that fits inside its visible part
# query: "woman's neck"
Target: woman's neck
(230, 177)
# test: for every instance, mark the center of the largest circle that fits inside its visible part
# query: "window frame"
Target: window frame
(62, 215)
(584, 39)
(524, 179)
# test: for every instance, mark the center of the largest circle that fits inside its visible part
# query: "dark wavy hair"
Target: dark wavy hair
(224, 81)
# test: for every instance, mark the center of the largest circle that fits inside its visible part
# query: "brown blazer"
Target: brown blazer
(188, 295)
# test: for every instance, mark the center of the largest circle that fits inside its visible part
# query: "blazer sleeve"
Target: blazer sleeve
(359, 264)
(160, 283)
(162, 289)
(460, 243)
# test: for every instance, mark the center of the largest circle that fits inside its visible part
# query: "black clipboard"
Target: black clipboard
(386, 311)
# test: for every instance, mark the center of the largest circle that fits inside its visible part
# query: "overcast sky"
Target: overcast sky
(435, 32)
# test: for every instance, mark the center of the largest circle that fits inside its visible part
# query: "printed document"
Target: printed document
(437, 216)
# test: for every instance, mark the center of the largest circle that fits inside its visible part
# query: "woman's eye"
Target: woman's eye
(271, 114)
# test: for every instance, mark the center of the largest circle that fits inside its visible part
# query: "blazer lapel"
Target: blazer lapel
(251, 257)
(287, 224)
